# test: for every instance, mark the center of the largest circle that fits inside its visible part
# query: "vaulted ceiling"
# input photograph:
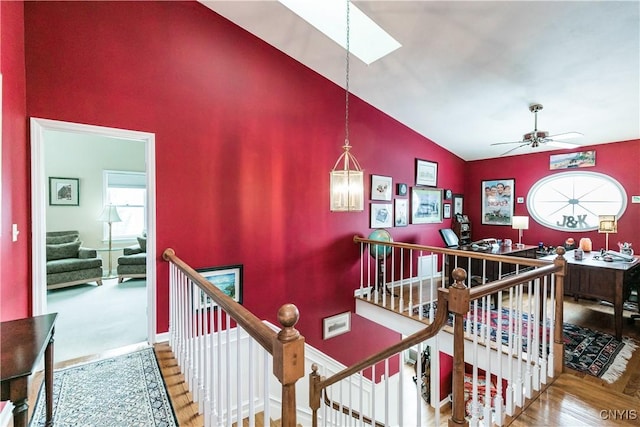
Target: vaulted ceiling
(467, 71)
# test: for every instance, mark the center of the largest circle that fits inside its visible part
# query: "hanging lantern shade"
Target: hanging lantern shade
(347, 183)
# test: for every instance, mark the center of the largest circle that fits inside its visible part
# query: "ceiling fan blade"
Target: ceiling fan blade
(511, 142)
(561, 144)
(515, 148)
(566, 135)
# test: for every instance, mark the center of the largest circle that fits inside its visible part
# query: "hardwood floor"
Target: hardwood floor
(572, 400)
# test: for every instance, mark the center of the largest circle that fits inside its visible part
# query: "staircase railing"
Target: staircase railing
(524, 349)
(214, 340)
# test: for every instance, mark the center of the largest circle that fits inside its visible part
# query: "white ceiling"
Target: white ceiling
(468, 70)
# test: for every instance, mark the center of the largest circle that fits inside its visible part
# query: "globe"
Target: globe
(380, 251)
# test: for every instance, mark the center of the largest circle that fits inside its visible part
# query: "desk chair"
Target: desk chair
(634, 291)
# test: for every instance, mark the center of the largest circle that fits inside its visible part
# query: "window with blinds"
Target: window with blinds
(127, 191)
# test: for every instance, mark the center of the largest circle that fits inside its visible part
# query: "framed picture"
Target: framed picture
(381, 215)
(446, 210)
(458, 204)
(401, 213)
(402, 189)
(226, 278)
(448, 194)
(497, 201)
(426, 173)
(582, 159)
(381, 187)
(336, 325)
(64, 191)
(426, 205)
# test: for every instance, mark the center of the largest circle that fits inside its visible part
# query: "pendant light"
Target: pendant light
(346, 178)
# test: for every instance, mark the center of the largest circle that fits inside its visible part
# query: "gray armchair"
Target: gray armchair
(133, 262)
(68, 263)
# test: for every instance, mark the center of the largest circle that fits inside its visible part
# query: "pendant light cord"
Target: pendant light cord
(346, 100)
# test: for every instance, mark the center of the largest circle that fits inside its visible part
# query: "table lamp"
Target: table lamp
(520, 223)
(109, 215)
(607, 224)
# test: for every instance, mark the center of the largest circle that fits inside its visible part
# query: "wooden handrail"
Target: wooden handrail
(508, 259)
(418, 337)
(243, 317)
(508, 282)
(286, 346)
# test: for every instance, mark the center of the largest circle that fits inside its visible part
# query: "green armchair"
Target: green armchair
(68, 263)
(133, 262)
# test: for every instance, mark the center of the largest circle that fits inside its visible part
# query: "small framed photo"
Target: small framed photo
(426, 173)
(64, 191)
(458, 204)
(336, 325)
(402, 189)
(401, 212)
(446, 210)
(381, 215)
(448, 194)
(497, 201)
(226, 278)
(426, 205)
(381, 187)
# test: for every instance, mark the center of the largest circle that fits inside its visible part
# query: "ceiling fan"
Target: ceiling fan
(538, 137)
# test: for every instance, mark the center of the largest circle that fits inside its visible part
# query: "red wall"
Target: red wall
(15, 289)
(245, 138)
(618, 160)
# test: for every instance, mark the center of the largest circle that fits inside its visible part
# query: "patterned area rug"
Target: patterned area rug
(591, 352)
(127, 390)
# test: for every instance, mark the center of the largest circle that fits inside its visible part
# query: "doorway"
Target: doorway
(42, 131)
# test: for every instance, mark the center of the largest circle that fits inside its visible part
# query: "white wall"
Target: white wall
(82, 156)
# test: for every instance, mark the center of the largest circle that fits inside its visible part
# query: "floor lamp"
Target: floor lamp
(520, 223)
(109, 215)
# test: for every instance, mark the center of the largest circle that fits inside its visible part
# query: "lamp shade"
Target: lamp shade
(607, 224)
(109, 214)
(520, 223)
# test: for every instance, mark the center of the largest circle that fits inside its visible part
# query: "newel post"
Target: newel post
(288, 361)
(558, 341)
(459, 306)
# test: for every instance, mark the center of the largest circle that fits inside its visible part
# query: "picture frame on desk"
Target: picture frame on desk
(497, 201)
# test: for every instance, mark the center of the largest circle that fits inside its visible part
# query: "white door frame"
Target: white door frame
(39, 200)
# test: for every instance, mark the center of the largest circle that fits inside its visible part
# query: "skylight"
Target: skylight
(367, 40)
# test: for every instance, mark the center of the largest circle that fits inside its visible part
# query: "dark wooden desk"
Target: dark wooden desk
(23, 342)
(595, 278)
(491, 270)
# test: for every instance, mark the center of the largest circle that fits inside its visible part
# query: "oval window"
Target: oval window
(572, 201)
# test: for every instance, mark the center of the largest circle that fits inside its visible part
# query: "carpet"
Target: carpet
(94, 319)
(127, 390)
(586, 350)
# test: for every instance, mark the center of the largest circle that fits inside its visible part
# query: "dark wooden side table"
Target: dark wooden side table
(22, 343)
